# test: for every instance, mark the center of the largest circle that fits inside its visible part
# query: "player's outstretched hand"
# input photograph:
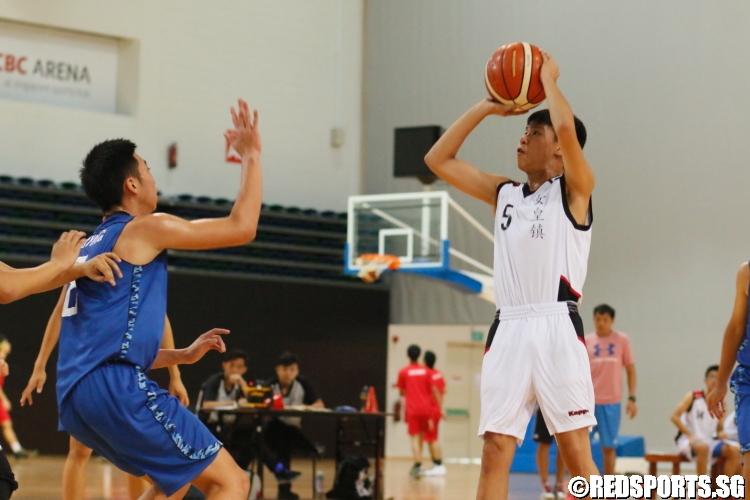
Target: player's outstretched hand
(36, 383)
(210, 340)
(102, 268)
(492, 107)
(65, 251)
(550, 71)
(245, 137)
(715, 401)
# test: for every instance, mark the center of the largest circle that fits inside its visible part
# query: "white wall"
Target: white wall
(662, 88)
(298, 62)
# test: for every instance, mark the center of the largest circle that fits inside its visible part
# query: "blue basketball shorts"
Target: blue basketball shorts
(122, 415)
(607, 424)
(739, 384)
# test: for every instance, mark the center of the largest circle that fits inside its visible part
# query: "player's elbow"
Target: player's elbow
(8, 294)
(247, 234)
(242, 230)
(432, 161)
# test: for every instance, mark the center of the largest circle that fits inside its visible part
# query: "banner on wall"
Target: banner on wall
(58, 67)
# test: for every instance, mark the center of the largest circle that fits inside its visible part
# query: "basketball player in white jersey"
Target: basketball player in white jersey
(700, 435)
(535, 351)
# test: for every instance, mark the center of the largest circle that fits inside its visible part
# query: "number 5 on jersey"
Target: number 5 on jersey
(508, 218)
(70, 306)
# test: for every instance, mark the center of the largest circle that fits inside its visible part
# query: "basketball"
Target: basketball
(512, 75)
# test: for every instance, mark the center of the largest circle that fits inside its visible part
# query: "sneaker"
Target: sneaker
(26, 454)
(547, 493)
(415, 471)
(561, 491)
(437, 470)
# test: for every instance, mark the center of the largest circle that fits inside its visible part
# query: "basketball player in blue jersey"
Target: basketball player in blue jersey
(735, 349)
(110, 336)
(74, 471)
(535, 350)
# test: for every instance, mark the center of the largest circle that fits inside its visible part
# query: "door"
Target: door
(463, 369)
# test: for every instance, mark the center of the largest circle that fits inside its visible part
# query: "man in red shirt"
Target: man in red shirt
(414, 382)
(437, 382)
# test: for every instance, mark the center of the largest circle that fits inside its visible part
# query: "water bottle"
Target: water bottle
(319, 484)
(363, 398)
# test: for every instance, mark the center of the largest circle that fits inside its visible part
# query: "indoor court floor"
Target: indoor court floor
(40, 479)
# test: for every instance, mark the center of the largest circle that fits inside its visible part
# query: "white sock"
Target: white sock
(16, 447)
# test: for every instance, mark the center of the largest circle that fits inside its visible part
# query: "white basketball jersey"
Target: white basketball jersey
(697, 419)
(541, 253)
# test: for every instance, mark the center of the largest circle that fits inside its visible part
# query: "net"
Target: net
(373, 265)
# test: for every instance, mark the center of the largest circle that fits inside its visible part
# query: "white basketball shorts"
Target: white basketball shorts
(536, 353)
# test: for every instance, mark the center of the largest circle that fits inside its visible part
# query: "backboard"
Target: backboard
(408, 232)
(411, 226)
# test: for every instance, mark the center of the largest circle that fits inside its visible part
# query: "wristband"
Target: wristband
(632, 398)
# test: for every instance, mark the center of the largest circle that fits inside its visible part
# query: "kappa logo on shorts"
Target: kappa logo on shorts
(577, 412)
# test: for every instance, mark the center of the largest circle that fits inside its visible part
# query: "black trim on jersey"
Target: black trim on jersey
(527, 190)
(500, 186)
(565, 293)
(575, 318)
(590, 215)
(491, 334)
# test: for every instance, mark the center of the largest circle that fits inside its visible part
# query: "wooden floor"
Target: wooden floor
(40, 479)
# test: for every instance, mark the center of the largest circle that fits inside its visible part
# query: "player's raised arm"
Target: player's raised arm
(161, 231)
(579, 178)
(16, 284)
(733, 335)
(51, 336)
(459, 173)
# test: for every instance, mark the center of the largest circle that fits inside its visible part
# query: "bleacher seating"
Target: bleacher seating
(291, 243)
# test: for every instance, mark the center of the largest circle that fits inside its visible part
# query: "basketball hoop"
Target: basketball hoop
(373, 265)
(408, 232)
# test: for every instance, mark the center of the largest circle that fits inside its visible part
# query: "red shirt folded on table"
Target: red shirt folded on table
(416, 382)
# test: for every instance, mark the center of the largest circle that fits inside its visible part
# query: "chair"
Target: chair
(653, 459)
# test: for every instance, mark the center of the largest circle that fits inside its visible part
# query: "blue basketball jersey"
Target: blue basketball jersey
(743, 355)
(102, 323)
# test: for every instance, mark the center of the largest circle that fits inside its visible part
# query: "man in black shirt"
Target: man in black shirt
(282, 435)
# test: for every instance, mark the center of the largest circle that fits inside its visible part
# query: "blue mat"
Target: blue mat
(525, 459)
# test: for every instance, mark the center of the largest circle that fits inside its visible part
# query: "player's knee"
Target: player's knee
(78, 451)
(729, 451)
(496, 445)
(700, 449)
(242, 484)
